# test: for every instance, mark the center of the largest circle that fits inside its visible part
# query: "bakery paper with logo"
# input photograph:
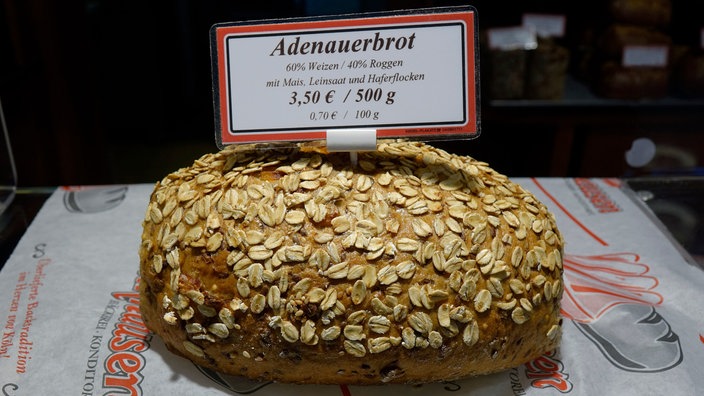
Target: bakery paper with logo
(70, 321)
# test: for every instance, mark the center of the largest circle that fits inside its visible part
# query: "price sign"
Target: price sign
(410, 74)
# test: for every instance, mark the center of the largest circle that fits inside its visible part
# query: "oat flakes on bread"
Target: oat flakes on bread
(413, 266)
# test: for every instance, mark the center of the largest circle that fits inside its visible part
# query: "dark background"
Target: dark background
(100, 91)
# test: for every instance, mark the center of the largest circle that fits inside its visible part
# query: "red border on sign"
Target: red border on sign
(222, 32)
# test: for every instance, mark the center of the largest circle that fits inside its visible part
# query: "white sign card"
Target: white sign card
(412, 74)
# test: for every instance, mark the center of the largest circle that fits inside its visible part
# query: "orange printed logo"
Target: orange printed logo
(130, 338)
(548, 372)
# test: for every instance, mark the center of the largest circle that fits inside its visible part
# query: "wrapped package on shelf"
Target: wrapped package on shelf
(618, 78)
(688, 75)
(631, 83)
(618, 36)
(507, 70)
(546, 71)
(507, 53)
(656, 13)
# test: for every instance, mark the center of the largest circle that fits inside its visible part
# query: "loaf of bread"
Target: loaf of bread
(411, 265)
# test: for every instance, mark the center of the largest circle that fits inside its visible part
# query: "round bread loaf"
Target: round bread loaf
(413, 265)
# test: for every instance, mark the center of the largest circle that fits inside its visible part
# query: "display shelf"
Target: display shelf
(678, 202)
(584, 135)
(578, 94)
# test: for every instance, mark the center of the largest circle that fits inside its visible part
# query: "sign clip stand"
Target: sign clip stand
(352, 140)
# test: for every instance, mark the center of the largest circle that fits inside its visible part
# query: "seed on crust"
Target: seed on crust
(387, 275)
(196, 296)
(470, 335)
(482, 301)
(379, 324)
(354, 332)
(359, 292)
(254, 272)
(511, 219)
(435, 339)
(155, 214)
(420, 322)
(310, 175)
(273, 298)
(556, 288)
(409, 338)
(315, 295)
(289, 331)
(194, 328)
(330, 333)
(338, 271)
(219, 329)
(517, 287)
(193, 349)
(357, 317)
(364, 183)
(258, 303)
(308, 335)
(259, 253)
(484, 257)
(295, 217)
(444, 315)
(310, 184)
(186, 313)
(407, 245)
(507, 305)
(547, 291)
(380, 308)
(340, 224)
(384, 179)
(406, 269)
(421, 228)
(519, 315)
(329, 300)
(355, 348)
(467, 290)
(157, 263)
(170, 318)
(214, 242)
(323, 237)
(379, 344)
(206, 310)
(553, 332)
(495, 287)
(451, 183)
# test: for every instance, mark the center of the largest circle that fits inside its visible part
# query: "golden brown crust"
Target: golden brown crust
(296, 267)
